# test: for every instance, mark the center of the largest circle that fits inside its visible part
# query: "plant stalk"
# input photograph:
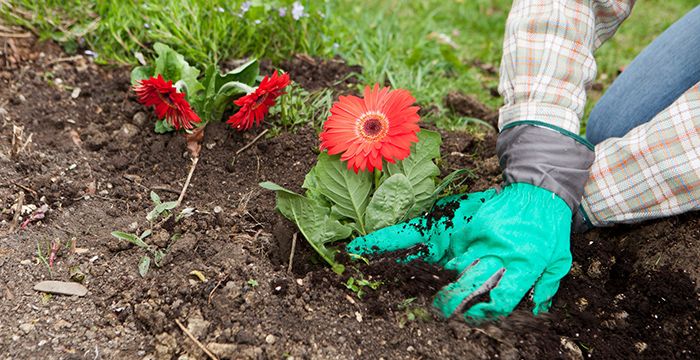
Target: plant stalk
(187, 182)
(377, 178)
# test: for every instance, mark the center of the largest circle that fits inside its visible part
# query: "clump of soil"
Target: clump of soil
(315, 73)
(469, 106)
(94, 158)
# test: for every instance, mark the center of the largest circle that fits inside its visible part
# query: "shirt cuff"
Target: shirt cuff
(557, 116)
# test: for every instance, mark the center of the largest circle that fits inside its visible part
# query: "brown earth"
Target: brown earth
(94, 159)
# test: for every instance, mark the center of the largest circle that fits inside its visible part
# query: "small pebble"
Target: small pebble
(270, 339)
(75, 93)
(139, 118)
(218, 209)
(26, 328)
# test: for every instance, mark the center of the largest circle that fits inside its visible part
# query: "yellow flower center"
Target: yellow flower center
(372, 126)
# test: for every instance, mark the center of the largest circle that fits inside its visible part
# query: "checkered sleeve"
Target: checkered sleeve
(652, 172)
(548, 61)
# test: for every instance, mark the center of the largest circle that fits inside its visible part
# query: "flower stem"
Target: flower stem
(187, 182)
(377, 178)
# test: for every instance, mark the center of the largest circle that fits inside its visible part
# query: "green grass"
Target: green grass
(397, 42)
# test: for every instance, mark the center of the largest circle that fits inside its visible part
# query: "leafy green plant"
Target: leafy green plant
(154, 254)
(209, 95)
(360, 285)
(411, 312)
(160, 208)
(339, 203)
(300, 107)
(139, 241)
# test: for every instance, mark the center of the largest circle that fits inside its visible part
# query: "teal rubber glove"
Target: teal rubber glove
(433, 232)
(504, 244)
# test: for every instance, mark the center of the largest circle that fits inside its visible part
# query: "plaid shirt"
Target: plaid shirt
(548, 64)
(652, 172)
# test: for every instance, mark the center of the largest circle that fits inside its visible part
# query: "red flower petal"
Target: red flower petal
(382, 126)
(168, 103)
(254, 106)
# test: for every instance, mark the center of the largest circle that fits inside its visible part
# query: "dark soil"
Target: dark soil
(94, 160)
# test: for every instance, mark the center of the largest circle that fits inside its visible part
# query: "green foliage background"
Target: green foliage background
(394, 41)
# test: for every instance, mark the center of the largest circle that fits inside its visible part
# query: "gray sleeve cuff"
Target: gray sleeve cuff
(545, 158)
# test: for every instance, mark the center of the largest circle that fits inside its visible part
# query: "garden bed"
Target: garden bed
(94, 158)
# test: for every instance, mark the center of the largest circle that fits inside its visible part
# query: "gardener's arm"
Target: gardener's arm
(546, 68)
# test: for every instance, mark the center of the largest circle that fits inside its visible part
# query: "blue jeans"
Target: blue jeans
(666, 69)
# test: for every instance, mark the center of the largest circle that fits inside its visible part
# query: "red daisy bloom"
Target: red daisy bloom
(255, 105)
(167, 101)
(383, 125)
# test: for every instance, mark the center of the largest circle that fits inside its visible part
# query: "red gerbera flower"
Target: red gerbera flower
(383, 125)
(167, 101)
(255, 105)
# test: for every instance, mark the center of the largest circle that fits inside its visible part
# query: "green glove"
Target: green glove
(504, 243)
(432, 231)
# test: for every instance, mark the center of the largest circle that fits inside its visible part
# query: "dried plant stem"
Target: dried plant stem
(18, 212)
(251, 142)
(201, 346)
(187, 182)
(291, 252)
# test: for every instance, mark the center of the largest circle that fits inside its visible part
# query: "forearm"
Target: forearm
(546, 67)
(548, 60)
(652, 172)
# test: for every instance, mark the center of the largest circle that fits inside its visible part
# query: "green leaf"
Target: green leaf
(246, 74)
(420, 169)
(144, 264)
(158, 256)
(159, 209)
(141, 73)
(163, 127)
(168, 205)
(312, 188)
(224, 98)
(222, 89)
(155, 198)
(347, 191)
(146, 233)
(130, 238)
(446, 181)
(173, 67)
(314, 221)
(392, 200)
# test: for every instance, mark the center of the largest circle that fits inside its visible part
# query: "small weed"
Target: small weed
(358, 286)
(299, 108)
(411, 312)
(252, 282)
(154, 254)
(41, 257)
(159, 208)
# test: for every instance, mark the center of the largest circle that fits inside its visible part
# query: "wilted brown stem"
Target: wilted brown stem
(194, 146)
(187, 182)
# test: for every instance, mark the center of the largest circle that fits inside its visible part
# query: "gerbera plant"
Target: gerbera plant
(186, 102)
(376, 168)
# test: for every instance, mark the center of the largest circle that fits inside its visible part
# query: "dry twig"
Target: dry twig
(64, 59)
(251, 142)
(291, 252)
(187, 182)
(18, 212)
(15, 35)
(201, 346)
